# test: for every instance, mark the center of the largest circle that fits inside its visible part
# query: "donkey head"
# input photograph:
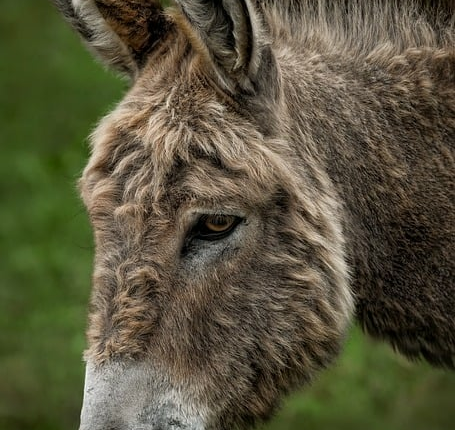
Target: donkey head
(219, 280)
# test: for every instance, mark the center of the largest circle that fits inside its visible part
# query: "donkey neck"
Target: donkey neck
(378, 128)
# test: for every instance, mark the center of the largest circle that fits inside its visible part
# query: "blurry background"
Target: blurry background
(51, 95)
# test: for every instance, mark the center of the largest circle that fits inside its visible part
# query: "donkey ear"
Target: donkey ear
(230, 34)
(120, 33)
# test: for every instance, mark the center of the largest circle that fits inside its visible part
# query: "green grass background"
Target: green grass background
(51, 95)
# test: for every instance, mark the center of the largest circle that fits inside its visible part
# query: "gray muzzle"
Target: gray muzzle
(133, 396)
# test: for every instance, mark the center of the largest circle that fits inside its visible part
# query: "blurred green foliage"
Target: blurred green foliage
(52, 93)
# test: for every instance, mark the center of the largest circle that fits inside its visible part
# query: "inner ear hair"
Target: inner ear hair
(121, 33)
(140, 24)
(228, 33)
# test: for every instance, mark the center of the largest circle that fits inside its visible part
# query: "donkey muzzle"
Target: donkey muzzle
(135, 396)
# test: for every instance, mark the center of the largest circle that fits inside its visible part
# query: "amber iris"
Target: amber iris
(219, 223)
(216, 227)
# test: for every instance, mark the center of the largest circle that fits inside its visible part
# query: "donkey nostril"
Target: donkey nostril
(104, 426)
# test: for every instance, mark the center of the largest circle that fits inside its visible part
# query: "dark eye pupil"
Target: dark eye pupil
(219, 220)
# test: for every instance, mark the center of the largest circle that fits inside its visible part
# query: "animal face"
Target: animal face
(219, 279)
(208, 260)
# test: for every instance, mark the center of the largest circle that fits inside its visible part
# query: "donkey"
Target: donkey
(277, 169)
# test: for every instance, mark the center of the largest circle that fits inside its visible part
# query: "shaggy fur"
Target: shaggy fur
(329, 127)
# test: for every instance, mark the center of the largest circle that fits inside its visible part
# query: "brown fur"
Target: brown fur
(328, 126)
(137, 25)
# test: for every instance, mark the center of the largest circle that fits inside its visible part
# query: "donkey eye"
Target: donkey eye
(218, 223)
(216, 227)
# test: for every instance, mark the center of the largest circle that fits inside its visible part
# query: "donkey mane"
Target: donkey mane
(359, 27)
